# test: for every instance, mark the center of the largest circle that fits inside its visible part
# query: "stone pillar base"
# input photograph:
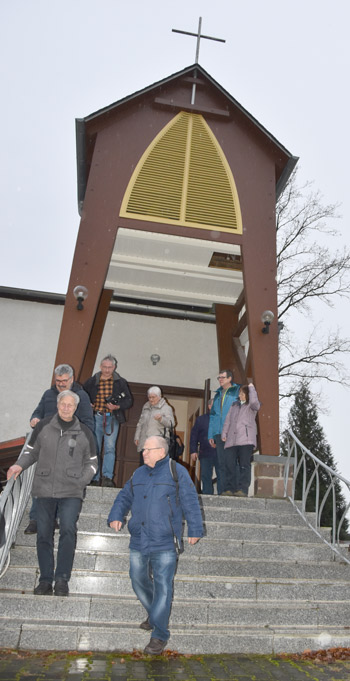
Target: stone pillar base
(268, 477)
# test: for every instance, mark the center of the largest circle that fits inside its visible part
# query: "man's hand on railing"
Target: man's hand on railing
(14, 470)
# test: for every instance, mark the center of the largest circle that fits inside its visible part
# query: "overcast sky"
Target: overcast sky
(286, 63)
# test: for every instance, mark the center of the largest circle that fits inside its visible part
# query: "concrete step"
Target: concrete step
(242, 531)
(107, 495)
(197, 586)
(185, 613)
(198, 640)
(110, 542)
(227, 513)
(194, 562)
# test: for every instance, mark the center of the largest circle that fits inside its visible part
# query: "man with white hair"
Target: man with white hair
(65, 452)
(158, 497)
(64, 380)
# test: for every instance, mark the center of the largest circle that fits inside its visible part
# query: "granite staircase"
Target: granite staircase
(260, 581)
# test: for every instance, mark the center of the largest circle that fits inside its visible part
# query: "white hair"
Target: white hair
(68, 393)
(154, 391)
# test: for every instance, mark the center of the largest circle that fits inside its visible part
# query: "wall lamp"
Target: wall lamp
(267, 317)
(80, 293)
(155, 359)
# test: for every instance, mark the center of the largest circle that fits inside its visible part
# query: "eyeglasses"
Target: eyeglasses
(149, 449)
(221, 377)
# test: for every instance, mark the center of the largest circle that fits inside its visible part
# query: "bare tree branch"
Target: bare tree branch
(309, 271)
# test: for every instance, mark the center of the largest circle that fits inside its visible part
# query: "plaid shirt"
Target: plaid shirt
(105, 389)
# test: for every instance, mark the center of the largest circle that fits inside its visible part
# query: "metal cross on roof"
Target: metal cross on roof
(197, 35)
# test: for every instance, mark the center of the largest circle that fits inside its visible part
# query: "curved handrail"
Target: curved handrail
(13, 501)
(297, 457)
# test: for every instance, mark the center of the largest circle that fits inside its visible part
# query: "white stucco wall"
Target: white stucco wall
(28, 342)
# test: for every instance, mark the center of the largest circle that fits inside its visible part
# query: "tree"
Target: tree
(303, 420)
(308, 271)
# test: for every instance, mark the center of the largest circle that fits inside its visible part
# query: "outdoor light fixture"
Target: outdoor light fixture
(155, 359)
(267, 317)
(80, 293)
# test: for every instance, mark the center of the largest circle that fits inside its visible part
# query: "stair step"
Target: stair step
(196, 586)
(202, 640)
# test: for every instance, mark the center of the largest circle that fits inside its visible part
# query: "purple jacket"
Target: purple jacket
(240, 425)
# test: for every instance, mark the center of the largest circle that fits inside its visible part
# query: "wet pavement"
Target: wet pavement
(26, 666)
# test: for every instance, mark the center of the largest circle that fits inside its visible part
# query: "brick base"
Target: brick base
(268, 477)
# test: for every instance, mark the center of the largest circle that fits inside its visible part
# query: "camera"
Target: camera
(112, 400)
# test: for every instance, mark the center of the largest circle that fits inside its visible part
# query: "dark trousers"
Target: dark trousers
(222, 482)
(238, 467)
(208, 463)
(68, 510)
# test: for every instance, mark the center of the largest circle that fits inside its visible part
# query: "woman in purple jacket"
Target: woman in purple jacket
(239, 435)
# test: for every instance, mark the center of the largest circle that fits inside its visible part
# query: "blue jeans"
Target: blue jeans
(68, 510)
(109, 441)
(208, 463)
(222, 482)
(152, 578)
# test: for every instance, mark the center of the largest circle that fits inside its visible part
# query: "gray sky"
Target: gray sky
(286, 63)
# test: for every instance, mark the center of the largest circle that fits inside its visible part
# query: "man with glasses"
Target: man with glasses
(64, 380)
(157, 501)
(225, 396)
(110, 397)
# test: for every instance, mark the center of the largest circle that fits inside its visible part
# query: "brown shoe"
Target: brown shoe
(155, 647)
(146, 625)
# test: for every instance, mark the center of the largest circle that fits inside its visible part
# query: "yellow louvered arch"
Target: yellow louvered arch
(183, 178)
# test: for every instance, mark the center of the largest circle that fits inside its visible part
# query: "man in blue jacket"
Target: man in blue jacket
(200, 448)
(224, 397)
(157, 503)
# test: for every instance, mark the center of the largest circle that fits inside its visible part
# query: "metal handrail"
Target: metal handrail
(301, 456)
(13, 501)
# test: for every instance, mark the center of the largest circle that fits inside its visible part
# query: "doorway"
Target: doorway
(187, 404)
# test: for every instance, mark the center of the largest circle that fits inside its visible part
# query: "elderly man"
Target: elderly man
(110, 397)
(158, 498)
(65, 452)
(64, 380)
(225, 396)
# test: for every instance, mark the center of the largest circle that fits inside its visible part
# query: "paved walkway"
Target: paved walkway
(98, 667)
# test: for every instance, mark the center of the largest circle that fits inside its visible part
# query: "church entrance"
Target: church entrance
(187, 404)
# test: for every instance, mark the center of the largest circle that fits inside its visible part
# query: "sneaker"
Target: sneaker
(107, 482)
(61, 587)
(43, 589)
(155, 647)
(146, 625)
(31, 528)
(239, 493)
(228, 493)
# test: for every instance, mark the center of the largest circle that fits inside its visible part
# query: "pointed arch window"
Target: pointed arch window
(183, 178)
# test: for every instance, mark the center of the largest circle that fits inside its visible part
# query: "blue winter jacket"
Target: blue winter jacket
(218, 416)
(156, 513)
(48, 405)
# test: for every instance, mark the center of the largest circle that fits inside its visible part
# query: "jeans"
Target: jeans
(68, 512)
(109, 441)
(221, 461)
(208, 463)
(239, 461)
(152, 578)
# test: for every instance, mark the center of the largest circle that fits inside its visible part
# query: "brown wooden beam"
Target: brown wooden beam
(95, 336)
(226, 322)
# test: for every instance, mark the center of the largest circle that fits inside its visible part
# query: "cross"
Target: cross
(197, 35)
